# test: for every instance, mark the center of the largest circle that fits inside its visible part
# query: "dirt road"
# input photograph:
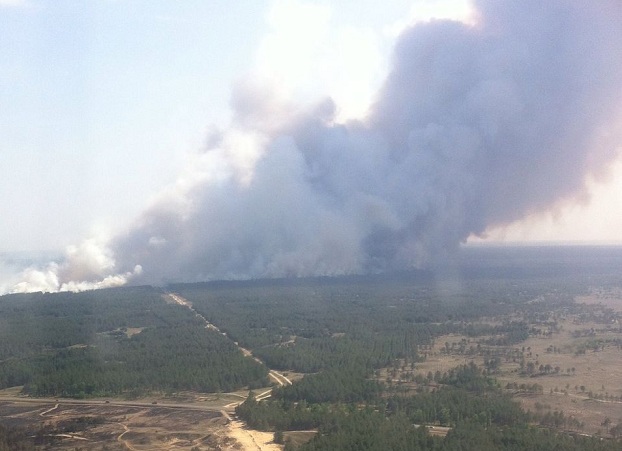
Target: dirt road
(98, 402)
(248, 438)
(276, 376)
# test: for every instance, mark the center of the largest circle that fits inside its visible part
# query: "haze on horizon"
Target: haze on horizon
(157, 142)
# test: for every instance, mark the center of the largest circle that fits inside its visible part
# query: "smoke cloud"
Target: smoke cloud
(476, 125)
(86, 267)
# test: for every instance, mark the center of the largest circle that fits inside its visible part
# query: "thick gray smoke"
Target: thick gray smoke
(475, 126)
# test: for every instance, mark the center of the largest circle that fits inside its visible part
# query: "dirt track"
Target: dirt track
(278, 377)
(248, 438)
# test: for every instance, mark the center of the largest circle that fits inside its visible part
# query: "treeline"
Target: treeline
(278, 415)
(76, 345)
(468, 394)
(260, 313)
(348, 384)
(468, 377)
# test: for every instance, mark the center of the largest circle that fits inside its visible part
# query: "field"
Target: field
(576, 354)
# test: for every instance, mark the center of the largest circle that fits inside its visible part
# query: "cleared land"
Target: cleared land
(199, 423)
(574, 355)
(65, 426)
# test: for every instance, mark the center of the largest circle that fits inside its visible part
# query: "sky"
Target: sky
(112, 109)
(104, 101)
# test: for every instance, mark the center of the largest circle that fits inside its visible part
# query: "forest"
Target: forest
(123, 341)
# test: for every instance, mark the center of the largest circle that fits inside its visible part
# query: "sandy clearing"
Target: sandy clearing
(611, 298)
(252, 440)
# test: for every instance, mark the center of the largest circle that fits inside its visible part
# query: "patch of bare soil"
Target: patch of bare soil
(611, 298)
(571, 364)
(251, 440)
(118, 427)
(585, 377)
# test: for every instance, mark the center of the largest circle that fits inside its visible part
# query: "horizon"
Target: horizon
(516, 258)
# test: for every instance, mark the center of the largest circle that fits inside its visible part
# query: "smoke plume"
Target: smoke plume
(476, 125)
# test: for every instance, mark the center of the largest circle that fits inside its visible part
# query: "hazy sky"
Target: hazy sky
(103, 100)
(106, 104)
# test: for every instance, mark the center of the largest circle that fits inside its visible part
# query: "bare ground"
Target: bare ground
(66, 425)
(250, 439)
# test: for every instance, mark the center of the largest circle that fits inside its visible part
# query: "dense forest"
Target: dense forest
(121, 341)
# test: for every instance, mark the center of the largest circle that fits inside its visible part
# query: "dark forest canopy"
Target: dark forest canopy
(116, 341)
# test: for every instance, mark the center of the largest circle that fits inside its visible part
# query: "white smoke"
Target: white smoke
(88, 266)
(476, 125)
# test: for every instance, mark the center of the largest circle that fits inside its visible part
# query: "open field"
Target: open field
(574, 356)
(611, 298)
